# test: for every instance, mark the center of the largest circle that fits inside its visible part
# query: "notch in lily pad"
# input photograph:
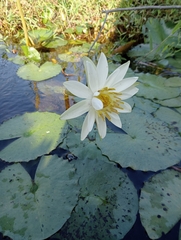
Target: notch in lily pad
(32, 72)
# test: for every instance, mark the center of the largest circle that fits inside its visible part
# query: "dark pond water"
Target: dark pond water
(18, 96)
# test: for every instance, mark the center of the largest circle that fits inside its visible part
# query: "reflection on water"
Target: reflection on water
(18, 96)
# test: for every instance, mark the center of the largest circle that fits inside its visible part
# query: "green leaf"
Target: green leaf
(145, 104)
(34, 73)
(173, 82)
(69, 57)
(37, 209)
(40, 35)
(153, 87)
(160, 199)
(161, 40)
(148, 144)
(108, 201)
(173, 102)
(31, 53)
(37, 133)
(169, 116)
(58, 42)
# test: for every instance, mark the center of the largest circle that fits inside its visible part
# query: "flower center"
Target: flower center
(111, 102)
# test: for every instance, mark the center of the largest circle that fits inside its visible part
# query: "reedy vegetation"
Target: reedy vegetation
(80, 19)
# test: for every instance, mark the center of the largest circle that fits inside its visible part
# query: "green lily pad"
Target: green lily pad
(160, 199)
(108, 201)
(173, 102)
(69, 57)
(57, 42)
(32, 72)
(169, 116)
(145, 104)
(149, 145)
(173, 82)
(35, 209)
(37, 133)
(153, 87)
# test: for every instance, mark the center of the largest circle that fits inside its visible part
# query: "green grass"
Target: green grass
(81, 19)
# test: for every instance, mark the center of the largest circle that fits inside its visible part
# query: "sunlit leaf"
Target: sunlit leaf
(40, 35)
(108, 201)
(160, 199)
(35, 133)
(37, 209)
(148, 144)
(56, 43)
(31, 53)
(69, 57)
(34, 73)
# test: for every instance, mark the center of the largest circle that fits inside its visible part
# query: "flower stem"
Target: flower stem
(23, 23)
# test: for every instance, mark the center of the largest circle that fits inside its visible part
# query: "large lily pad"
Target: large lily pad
(37, 209)
(149, 145)
(153, 87)
(108, 201)
(160, 199)
(32, 72)
(35, 133)
(169, 116)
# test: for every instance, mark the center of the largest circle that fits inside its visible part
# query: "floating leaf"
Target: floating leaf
(169, 116)
(173, 102)
(57, 42)
(153, 87)
(145, 104)
(173, 82)
(149, 145)
(34, 73)
(37, 209)
(160, 199)
(35, 133)
(108, 203)
(69, 57)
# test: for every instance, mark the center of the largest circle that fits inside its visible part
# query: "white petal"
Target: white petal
(97, 103)
(102, 70)
(129, 92)
(92, 76)
(125, 83)
(78, 89)
(101, 125)
(76, 110)
(88, 124)
(126, 108)
(117, 75)
(115, 119)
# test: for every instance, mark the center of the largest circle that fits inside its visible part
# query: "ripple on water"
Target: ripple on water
(16, 95)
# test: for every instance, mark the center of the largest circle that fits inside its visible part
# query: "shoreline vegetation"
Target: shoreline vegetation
(82, 20)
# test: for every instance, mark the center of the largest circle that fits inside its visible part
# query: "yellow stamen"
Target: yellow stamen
(111, 102)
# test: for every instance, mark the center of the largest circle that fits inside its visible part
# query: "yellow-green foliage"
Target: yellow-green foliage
(80, 19)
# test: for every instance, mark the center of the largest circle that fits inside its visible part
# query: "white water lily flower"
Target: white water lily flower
(103, 97)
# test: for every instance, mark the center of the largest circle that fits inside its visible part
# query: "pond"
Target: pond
(54, 186)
